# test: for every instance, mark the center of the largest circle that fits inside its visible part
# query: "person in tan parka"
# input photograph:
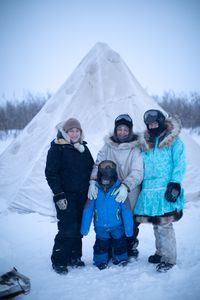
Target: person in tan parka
(122, 147)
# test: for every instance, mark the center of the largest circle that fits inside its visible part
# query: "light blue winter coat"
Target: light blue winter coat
(164, 162)
(107, 212)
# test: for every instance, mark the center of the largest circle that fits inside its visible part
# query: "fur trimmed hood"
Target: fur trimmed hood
(135, 143)
(166, 138)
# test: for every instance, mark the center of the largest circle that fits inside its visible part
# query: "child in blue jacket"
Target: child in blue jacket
(112, 220)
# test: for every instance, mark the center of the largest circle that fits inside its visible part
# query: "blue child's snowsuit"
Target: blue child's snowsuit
(111, 220)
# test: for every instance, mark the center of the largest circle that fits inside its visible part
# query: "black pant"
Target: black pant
(132, 242)
(68, 241)
(65, 249)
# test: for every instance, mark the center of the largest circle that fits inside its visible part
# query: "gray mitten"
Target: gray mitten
(60, 200)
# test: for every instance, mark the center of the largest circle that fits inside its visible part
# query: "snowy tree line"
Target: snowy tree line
(16, 114)
(187, 107)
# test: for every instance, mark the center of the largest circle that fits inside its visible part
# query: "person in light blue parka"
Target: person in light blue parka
(161, 199)
(111, 218)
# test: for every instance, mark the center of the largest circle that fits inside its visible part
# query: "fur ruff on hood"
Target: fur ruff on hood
(63, 138)
(166, 138)
(127, 145)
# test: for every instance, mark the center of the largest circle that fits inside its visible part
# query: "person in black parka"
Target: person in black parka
(68, 168)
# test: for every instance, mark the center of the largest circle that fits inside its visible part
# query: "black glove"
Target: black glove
(173, 191)
(60, 200)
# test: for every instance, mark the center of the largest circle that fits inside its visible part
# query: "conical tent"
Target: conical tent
(99, 89)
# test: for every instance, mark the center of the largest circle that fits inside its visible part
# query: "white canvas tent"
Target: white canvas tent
(99, 89)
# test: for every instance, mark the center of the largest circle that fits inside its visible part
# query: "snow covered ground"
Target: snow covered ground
(27, 240)
(26, 243)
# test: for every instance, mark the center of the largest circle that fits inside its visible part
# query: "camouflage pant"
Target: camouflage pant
(165, 242)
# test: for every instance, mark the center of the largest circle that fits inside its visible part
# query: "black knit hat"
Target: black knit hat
(124, 119)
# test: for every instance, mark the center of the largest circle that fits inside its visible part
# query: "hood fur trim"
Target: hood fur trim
(166, 138)
(61, 141)
(129, 145)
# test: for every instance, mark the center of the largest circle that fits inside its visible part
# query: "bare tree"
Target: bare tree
(17, 114)
(187, 107)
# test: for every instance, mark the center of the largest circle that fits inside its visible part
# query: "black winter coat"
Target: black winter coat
(68, 170)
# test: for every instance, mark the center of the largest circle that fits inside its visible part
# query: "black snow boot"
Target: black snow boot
(133, 253)
(154, 259)
(163, 267)
(60, 269)
(122, 263)
(77, 262)
(132, 244)
(102, 266)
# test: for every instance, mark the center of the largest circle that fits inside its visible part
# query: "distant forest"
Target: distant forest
(17, 113)
(187, 107)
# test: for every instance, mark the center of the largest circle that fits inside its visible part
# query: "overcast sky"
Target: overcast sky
(42, 41)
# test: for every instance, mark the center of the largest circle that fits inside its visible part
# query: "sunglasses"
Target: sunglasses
(123, 117)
